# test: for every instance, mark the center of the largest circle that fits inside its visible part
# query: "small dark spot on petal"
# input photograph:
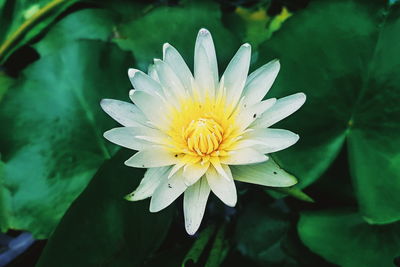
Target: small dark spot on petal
(176, 155)
(169, 185)
(275, 173)
(143, 165)
(254, 116)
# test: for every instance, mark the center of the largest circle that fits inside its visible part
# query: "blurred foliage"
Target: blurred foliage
(22, 20)
(199, 245)
(53, 142)
(180, 25)
(254, 25)
(353, 64)
(107, 229)
(260, 232)
(60, 179)
(5, 83)
(366, 245)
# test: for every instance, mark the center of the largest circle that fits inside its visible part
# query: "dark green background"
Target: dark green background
(62, 181)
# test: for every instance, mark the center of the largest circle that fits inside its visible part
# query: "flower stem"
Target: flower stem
(26, 26)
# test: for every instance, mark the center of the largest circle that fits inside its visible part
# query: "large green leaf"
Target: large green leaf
(347, 66)
(347, 240)
(93, 24)
(5, 83)
(52, 126)
(22, 20)
(103, 229)
(259, 234)
(178, 26)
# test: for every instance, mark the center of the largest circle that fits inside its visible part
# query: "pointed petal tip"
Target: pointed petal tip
(232, 203)
(191, 231)
(126, 163)
(303, 95)
(134, 164)
(165, 47)
(104, 103)
(246, 45)
(106, 134)
(276, 61)
(204, 31)
(131, 92)
(130, 197)
(153, 208)
(301, 98)
(247, 49)
(273, 100)
(132, 72)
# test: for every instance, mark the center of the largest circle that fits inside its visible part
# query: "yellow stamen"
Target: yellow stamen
(207, 133)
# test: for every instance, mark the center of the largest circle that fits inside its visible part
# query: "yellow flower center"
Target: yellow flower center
(202, 129)
(203, 136)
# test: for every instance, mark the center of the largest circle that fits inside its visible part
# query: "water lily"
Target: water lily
(196, 133)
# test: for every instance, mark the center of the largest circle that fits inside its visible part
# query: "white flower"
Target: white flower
(198, 133)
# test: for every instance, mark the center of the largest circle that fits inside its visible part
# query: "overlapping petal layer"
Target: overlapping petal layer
(198, 133)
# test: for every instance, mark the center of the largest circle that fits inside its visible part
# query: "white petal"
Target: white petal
(236, 73)
(218, 167)
(170, 82)
(244, 156)
(167, 192)
(266, 173)
(249, 114)
(126, 137)
(176, 168)
(193, 172)
(172, 57)
(155, 156)
(282, 108)
(269, 140)
(204, 78)
(153, 73)
(142, 82)
(223, 188)
(153, 108)
(194, 204)
(151, 180)
(124, 113)
(260, 81)
(205, 61)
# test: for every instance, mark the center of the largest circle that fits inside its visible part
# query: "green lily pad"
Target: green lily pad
(92, 24)
(344, 56)
(178, 26)
(259, 234)
(346, 239)
(5, 83)
(104, 228)
(21, 21)
(52, 126)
